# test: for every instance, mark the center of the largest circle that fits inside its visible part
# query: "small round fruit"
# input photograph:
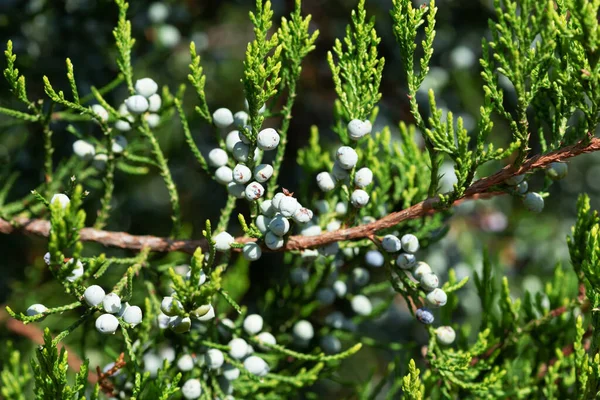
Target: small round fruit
(325, 181)
(146, 87)
(266, 338)
(36, 309)
(406, 261)
(303, 330)
(363, 177)
(340, 288)
(410, 243)
(253, 324)
(360, 276)
(534, 202)
(361, 305)
(267, 139)
(279, 225)
(421, 269)
(62, 199)
(230, 372)
(330, 344)
(347, 157)
(429, 282)
(303, 215)
(522, 187)
(241, 151)
(223, 241)
(154, 103)
(254, 191)
(191, 389)
(424, 316)
(256, 366)
(153, 120)
(251, 251)
(133, 315)
(93, 295)
(515, 180)
(240, 118)
(241, 174)
(214, 358)
(288, 206)
(238, 348)
(391, 243)
(557, 171)
(231, 140)
(236, 190)
(84, 150)
(263, 172)
(358, 129)
(168, 305)
(222, 118)
(325, 296)
(445, 335)
(224, 175)
(273, 241)
(266, 208)
(107, 324)
(137, 104)
(299, 276)
(180, 324)
(111, 303)
(339, 172)
(359, 198)
(437, 298)
(119, 144)
(77, 271)
(262, 223)
(100, 112)
(185, 363)
(217, 158)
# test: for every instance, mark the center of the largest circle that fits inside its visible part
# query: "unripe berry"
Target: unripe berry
(347, 157)
(191, 389)
(266, 338)
(36, 309)
(100, 112)
(217, 158)
(421, 269)
(84, 150)
(437, 298)
(185, 363)
(363, 178)
(137, 104)
(325, 296)
(241, 174)
(424, 316)
(374, 258)
(230, 372)
(522, 187)
(410, 243)
(359, 198)
(222, 118)
(279, 225)
(154, 103)
(303, 215)
(180, 324)
(429, 282)
(77, 271)
(266, 208)
(406, 261)
(256, 366)
(338, 172)
(325, 181)
(262, 223)
(273, 241)
(93, 295)
(288, 206)
(357, 129)
(330, 344)
(236, 190)
(445, 335)
(146, 87)
(515, 180)
(204, 313)
(168, 305)
(133, 315)
(238, 348)
(107, 324)
(240, 118)
(263, 172)
(231, 140)
(267, 139)
(391, 243)
(534, 202)
(253, 324)
(360, 276)
(254, 191)
(62, 199)
(557, 171)
(361, 305)
(340, 288)
(223, 241)
(303, 330)
(111, 303)
(224, 175)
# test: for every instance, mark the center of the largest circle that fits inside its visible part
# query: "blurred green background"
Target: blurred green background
(526, 247)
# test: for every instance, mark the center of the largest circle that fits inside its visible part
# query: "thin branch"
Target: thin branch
(483, 188)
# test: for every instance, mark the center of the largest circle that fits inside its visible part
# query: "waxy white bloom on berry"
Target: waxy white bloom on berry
(311, 230)
(391, 243)
(241, 174)
(325, 181)
(119, 144)
(137, 104)
(180, 324)
(445, 335)
(557, 171)
(230, 372)
(154, 103)
(359, 198)
(263, 172)
(429, 282)
(122, 126)
(167, 305)
(357, 129)
(361, 305)
(303, 215)
(84, 150)
(146, 87)
(330, 344)
(241, 151)
(266, 207)
(191, 389)
(522, 187)
(437, 298)
(363, 177)
(424, 316)
(360, 276)
(107, 324)
(163, 320)
(99, 161)
(322, 206)
(185, 363)
(204, 313)
(93, 295)
(336, 320)
(217, 158)
(338, 172)
(288, 206)
(534, 202)
(237, 190)
(153, 120)
(515, 180)
(421, 269)
(325, 296)
(47, 258)
(341, 208)
(77, 271)
(238, 348)
(340, 288)
(223, 241)
(231, 140)
(267, 139)
(273, 241)
(62, 199)
(251, 251)
(277, 200)
(410, 243)
(222, 118)
(36, 309)
(406, 261)
(279, 225)
(111, 303)
(100, 112)
(374, 258)
(347, 157)
(253, 324)
(261, 110)
(240, 118)
(262, 223)
(266, 338)
(254, 191)
(224, 175)
(133, 315)
(256, 366)
(303, 330)
(202, 277)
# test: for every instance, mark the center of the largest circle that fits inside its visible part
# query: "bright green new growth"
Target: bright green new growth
(545, 345)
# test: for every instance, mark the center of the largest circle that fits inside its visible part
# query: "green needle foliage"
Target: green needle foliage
(201, 326)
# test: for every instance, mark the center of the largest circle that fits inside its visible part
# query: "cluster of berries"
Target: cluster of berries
(107, 323)
(346, 160)
(534, 201)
